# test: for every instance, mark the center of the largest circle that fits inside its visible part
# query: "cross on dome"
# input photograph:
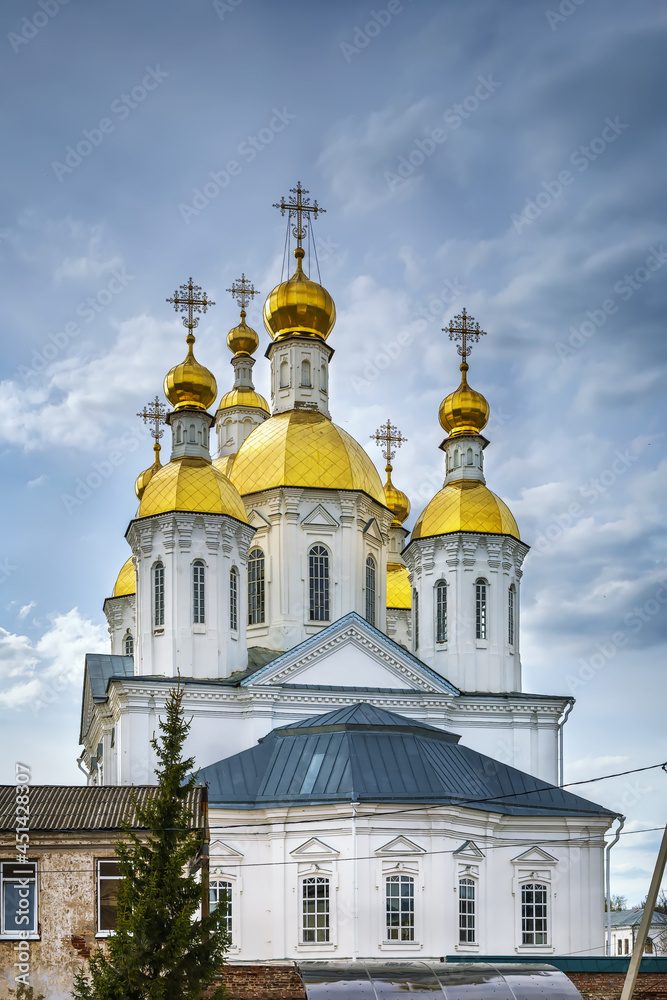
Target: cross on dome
(190, 302)
(155, 413)
(464, 328)
(243, 291)
(299, 206)
(389, 438)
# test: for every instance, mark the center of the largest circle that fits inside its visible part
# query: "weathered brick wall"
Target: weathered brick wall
(252, 982)
(608, 985)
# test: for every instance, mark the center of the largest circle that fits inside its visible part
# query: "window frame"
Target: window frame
(481, 610)
(511, 615)
(158, 581)
(398, 877)
(533, 884)
(128, 638)
(324, 556)
(216, 880)
(105, 931)
(415, 618)
(234, 599)
(19, 933)
(370, 590)
(468, 913)
(316, 878)
(256, 601)
(198, 592)
(441, 611)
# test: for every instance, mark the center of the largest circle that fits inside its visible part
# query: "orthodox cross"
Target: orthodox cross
(299, 206)
(243, 291)
(154, 413)
(187, 300)
(389, 438)
(465, 329)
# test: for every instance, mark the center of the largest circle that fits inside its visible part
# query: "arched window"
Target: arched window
(128, 644)
(415, 617)
(534, 913)
(480, 609)
(284, 374)
(511, 595)
(220, 895)
(234, 599)
(255, 587)
(400, 901)
(318, 578)
(469, 457)
(315, 910)
(305, 373)
(324, 381)
(179, 433)
(198, 612)
(370, 590)
(192, 438)
(158, 595)
(466, 911)
(441, 611)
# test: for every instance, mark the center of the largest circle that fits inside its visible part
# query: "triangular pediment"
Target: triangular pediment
(223, 852)
(314, 848)
(534, 856)
(258, 521)
(372, 529)
(319, 517)
(400, 845)
(350, 653)
(469, 849)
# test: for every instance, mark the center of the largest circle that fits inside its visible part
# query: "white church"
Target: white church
(380, 785)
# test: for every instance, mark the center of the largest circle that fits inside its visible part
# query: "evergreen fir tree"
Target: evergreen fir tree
(160, 949)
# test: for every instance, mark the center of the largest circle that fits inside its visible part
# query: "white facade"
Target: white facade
(300, 374)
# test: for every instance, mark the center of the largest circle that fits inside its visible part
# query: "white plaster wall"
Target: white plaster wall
(121, 617)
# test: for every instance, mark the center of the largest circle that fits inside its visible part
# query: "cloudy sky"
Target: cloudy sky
(508, 157)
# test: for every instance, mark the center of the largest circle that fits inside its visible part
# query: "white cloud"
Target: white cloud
(26, 609)
(593, 765)
(39, 481)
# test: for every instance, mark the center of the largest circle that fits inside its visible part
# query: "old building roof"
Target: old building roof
(632, 917)
(366, 754)
(74, 808)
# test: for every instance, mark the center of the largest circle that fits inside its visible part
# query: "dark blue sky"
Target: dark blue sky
(502, 156)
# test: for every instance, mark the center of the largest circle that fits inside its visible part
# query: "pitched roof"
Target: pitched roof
(363, 753)
(98, 671)
(632, 917)
(63, 808)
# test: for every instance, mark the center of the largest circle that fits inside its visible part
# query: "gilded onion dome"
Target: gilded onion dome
(399, 591)
(299, 306)
(243, 396)
(395, 500)
(466, 505)
(464, 411)
(192, 485)
(126, 581)
(304, 448)
(242, 339)
(190, 385)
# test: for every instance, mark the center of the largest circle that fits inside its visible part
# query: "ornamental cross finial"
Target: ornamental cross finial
(389, 439)
(187, 300)
(243, 291)
(298, 206)
(465, 329)
(154, 413)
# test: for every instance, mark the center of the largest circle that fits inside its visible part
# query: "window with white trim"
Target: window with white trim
(234, 599)
(511, 596)
(18, 898)
(480, 609)
(128, 644)
(198, 593)
(441, 611)
(108, 881)
(467, 901)
(315, 927)
(220, 895)
(400, 907)
(318, 583)
(534, 913)
(158, 595)
(305, 374)
(371, 575)
(256, 609)
(415, 617)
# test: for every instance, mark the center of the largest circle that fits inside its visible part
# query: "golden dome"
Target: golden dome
(464, 411)
(242, 339)
(193, 485)
(467, 505)
(304, 448)
(395, 500)
(126, 581)
(299, 306)
(224, 465)
(190, 385)
(243, 396)
(399, 592)
(145, 477)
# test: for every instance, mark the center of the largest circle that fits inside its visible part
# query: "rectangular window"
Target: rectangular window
(315, 910)
(318, 574)
(233, 600)
(400, 896)
(18, 894)
(510, 616)
(220, 895)
(255, 587)
(415, 617)
(480, 610)
(370, 590)
(158, 595)
(198, 602)
(466, 911)
(534, 904)
(108, 880)
(441, 611)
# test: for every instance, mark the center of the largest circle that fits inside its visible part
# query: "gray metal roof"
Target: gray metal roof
(632, 917)
(61, 808)
(102, 667)
(365, 754)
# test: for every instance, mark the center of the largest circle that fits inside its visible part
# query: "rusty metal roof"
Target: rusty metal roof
(75, 808)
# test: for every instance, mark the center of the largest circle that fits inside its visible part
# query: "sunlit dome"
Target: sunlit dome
(126, 581)
(467, 505)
